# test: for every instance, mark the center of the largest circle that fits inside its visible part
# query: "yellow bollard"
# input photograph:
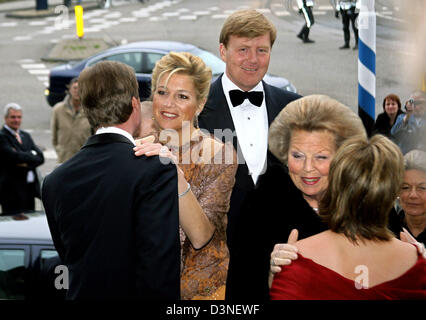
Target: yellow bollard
(79, 21)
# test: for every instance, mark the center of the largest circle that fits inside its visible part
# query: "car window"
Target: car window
(216, 64)
(133, 59)
(46, 255)
(150, 60)
(12, 273)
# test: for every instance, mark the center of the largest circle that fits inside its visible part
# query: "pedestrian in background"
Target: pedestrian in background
(349, 12)
(305, 8)
(69, 124)
(19, 158)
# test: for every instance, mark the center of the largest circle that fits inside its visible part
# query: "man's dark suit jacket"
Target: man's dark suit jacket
(114, 221)
(216, 115)
(15, 192)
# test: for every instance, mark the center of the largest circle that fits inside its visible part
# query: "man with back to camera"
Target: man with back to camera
(114, 216)
(245, 105)
(19, 158)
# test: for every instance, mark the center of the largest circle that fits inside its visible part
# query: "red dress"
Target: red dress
(306, 280)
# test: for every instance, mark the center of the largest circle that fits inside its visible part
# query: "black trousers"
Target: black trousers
(24, 202)
(349, 16)
(309, 21)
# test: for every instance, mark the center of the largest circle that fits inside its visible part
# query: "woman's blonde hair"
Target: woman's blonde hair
(183, 63)
(364, 180)
(313, 113)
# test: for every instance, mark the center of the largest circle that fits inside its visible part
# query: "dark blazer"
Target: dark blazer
(277, 208)
(15, 192)
(216, 115)
(114, 221)
(382, 125)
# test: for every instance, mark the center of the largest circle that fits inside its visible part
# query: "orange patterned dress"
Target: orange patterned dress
(211, 174)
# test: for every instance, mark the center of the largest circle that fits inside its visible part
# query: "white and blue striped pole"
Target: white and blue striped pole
(367, 64)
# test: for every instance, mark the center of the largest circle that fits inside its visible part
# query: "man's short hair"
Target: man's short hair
(106, 90)
(249, 24)
(13, 106)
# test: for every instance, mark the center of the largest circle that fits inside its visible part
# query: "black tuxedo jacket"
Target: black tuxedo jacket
(114, 221)
(13, 176)
(216, 115)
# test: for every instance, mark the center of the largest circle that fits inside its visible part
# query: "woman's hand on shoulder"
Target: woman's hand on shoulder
(407, 237)
(283, 254)
(150, 149)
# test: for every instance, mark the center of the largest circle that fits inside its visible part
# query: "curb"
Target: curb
(76, 49)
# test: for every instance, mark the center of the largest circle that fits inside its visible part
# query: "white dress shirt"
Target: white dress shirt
(251, 126)
(116, 130)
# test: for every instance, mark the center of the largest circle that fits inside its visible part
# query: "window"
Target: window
(216, 64)
(12, 274)
(133, 59)
(150, 60)
(46, 256)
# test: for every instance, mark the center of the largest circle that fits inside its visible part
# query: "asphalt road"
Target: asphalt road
(319, 68)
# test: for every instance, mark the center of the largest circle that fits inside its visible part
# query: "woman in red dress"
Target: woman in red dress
(358, 258)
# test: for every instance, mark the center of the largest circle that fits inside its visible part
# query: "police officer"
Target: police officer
(349, 11)
(305, 8)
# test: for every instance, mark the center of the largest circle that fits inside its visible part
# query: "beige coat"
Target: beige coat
(70, 130)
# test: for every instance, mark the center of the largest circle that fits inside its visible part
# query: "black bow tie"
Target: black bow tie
(238, 96)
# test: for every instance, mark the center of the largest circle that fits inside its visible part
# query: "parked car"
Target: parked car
(142, 56)
(27, 258)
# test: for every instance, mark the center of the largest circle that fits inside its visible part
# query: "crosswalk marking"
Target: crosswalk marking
(8, 24)
(33, 66)
(38, 71)
(100, 19)
(282, 13)
(37, 23)
(188, 18)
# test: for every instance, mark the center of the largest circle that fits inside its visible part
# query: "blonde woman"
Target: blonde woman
(206, 171)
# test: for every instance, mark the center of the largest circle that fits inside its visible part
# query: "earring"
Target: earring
(195, 120)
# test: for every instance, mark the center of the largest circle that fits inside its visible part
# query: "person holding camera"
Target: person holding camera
(410, 129)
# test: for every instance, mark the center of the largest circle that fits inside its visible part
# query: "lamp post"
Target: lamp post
(367, 64)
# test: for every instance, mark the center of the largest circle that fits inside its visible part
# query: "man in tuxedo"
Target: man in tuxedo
(245, 105)
(19, 158)
(114, 216)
